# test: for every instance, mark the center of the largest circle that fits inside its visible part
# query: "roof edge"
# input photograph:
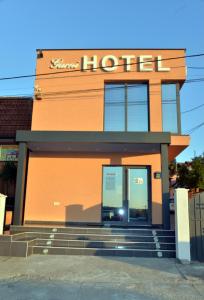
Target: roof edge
(78, 49)
(16, 97)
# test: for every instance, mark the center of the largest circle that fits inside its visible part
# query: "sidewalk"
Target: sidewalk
(85, 277)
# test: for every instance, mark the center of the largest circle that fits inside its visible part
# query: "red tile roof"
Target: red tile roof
(15, 114)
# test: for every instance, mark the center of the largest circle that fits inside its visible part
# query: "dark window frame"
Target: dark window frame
(178, 106)
(124, 191)
(126, 83)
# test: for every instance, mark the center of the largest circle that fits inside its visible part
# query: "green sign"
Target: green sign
(8, 153)
(157, 175)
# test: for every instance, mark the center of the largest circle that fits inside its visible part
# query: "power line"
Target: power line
(85, 91)
(197, 68)
(190, 131)
(192, 109)
(71, 71)
(102, 89)
(93, 74)
(75, 76)
(99, 74)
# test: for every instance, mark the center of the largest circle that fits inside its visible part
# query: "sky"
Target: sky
(28, 25)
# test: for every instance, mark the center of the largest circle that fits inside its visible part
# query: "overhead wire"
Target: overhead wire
(192, 109)
(55, 94)
(45, 95)
(118, 65)
(190, 131)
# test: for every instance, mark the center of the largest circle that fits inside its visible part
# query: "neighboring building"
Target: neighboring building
(103, 132)
(15, 114)
(174, 179)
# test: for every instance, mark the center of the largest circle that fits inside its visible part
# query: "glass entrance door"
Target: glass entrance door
(125, 194)
(113, 194)
(137, 191)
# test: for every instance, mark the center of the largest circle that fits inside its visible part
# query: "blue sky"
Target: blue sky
(27, 25)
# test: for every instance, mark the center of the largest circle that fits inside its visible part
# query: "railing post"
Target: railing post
(165, 186)
(182, 226)
(2, 212)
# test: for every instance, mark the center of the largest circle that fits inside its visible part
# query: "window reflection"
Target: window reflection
(169, 107)
(137, 107)
(112, 193)
(126, 107)
(138, 194)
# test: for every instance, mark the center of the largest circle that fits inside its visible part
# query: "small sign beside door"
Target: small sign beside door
(157, 175)
(138, 180)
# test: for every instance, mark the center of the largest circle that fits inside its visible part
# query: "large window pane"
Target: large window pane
(126, 107)
(114, 107)
(137, 107)
(169, 108)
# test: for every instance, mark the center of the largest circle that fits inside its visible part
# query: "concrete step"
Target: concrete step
(102, 252)
(144, 242)
(94, 237)
(103, 244)
(92, 230)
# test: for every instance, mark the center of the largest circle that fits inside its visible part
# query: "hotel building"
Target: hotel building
(105, 125)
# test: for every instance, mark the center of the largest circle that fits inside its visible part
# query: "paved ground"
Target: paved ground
(107, 278)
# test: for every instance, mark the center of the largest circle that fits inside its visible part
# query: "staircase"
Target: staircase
(28, 240)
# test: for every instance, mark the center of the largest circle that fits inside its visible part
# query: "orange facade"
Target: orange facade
(75, 100)
(63, 185)
(75, 194)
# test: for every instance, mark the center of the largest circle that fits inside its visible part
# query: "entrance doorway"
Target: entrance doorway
(126, 195)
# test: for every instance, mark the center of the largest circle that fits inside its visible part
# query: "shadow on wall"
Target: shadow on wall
(77, 213)
(115, 158)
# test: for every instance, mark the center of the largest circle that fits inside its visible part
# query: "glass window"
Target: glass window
(169, 107)
(126, 107)
(112, 193)
(114, 107)
(137, 107)
(138, 194)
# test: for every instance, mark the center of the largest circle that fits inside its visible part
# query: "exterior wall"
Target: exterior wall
(178, 144)
(69, 188)
(67, 102)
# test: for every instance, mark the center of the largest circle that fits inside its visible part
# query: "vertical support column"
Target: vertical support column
(165, 186)
(20, 184)
(182, 225)
(155, 105)
(178, 108)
